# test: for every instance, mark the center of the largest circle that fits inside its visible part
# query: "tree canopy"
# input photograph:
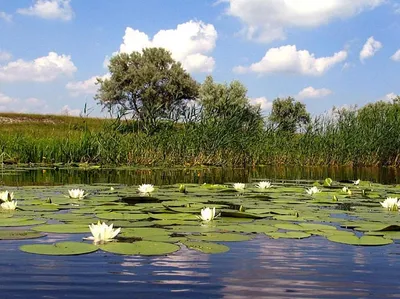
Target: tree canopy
(289, 115)
(148, 85)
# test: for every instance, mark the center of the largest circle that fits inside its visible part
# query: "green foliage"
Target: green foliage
(288, 115)
(149, 86)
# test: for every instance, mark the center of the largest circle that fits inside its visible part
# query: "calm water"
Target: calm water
(27, 176)
(261, 268)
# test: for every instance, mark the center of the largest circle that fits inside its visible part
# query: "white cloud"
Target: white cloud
(388, 97)
(66, 110)
(34, 102)
(49, 9)
(312, 93)
(5, 16)
(370, 48)
(267, 20)
(4, 55)
(86, 87)
(264, 103)
(287, 59)
(396, 56)
(4, 99)
(42, 69)
(189, 43)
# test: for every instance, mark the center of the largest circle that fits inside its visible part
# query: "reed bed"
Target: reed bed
(369, 137)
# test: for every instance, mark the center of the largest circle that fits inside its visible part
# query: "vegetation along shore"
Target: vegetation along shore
(163, 117)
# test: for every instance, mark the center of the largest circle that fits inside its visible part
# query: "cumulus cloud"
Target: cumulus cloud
(34, 102)
(42, 69)
(287, 59)
(5, 16)
(313, 93)
(264, 103)
(86, 87)
(396, 56)
(4, 99)
(370, 48)
(66, 110)
(49, 9)
(388, 97)
(267, 20)
(5, 56)
(189, 43)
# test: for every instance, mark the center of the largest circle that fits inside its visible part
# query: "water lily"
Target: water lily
(6, 196)
(146, 189)
(9, 205)
(312, 190)
(391, 203)
(207, 214)
(346, 190)
(77, 193)
(264, 185)
(239, 186)
(102, 232)
(357, 182)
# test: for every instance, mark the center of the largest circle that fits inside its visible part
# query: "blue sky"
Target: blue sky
(323, 53)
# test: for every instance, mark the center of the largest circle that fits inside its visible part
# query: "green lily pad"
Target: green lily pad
(222, 237)
(19, 235)
(289, 235)
(61, 248)
(140, 248)
(62, 228)
(363, 241)
(206, 247)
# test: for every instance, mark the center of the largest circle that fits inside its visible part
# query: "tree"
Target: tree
(149, 86)
(225, 102)
(289, 115)
(227, 115)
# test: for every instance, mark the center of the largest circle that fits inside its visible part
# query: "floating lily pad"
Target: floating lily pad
(289, 235)
(19, 235)
(223, 237)
(206, 247)
(363, 241)
(61, 248)
(140, 248)
(63, 228)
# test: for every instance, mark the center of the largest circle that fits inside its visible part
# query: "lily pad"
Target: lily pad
(63, 228)
(61, 248)
(222, 237)
(140, 248)
(363, 241)
(19, 235)
(206, 247)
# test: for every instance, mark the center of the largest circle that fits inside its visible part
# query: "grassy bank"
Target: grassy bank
(370, 136)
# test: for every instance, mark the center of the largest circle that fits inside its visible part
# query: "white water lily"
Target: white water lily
(102, 232)
(77, 193)
(207, 214)
(357, 182)
(391, 203)
(146, 189)
(6, 196)
(264, 185)
(9, 205)
(312, 190)
(239, 186)
(345, 189)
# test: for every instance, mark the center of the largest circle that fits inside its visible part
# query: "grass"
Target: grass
(368, 137)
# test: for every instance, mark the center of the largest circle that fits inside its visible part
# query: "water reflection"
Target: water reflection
(199, 176)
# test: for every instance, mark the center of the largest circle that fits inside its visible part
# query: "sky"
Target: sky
(323, 53)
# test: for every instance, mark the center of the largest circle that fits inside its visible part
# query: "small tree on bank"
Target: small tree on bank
(289, 115)
(149, 86)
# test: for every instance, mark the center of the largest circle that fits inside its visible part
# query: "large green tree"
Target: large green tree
(289, 115)
(148, 85)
